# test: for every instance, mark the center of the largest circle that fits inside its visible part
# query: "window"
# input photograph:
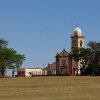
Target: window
(63, 62)
(74, 43)
(81, 43)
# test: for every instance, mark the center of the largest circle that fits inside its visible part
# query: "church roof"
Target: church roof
(63, 53)
(52, 65)
(77, 31)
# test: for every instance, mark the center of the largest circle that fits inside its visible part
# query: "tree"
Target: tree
(90, 58)
(18, 61)
(95, 65)
(3, 43)
(95, 46)
(9, 59)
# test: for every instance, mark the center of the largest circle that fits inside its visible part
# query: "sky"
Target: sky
(41, 28)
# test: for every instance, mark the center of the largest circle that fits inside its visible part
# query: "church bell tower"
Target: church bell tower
(77, 39)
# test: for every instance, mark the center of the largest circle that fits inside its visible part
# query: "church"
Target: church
(64, 62)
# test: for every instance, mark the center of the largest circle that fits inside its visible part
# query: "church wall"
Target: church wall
(61, 61)
(52, 68)
(70, 65)
(64, 66)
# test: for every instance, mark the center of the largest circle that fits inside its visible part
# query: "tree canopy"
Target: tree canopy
(9, 58)
(90, 58)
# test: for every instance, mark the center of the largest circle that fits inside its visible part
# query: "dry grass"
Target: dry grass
(50, 88)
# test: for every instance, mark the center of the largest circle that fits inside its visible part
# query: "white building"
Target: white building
(29, 72)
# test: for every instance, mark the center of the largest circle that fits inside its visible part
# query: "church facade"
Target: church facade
(64, 61)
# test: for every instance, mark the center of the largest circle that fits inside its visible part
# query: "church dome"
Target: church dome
(77, 32)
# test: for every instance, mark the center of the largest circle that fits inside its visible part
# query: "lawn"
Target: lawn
(50, 88)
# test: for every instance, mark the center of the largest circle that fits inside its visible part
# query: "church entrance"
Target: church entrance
(63, 70)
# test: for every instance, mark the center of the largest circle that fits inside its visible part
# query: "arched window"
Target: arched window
(74, 43)
(81, 42)
(63, 62)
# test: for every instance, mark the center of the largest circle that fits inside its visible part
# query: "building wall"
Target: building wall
(51, 69)
(21, 72)
(32, 72)
(63, 65)
(29, 72)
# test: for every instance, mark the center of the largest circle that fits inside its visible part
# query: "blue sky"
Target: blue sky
(41, 28)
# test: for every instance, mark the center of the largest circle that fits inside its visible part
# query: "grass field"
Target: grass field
(50, 88)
